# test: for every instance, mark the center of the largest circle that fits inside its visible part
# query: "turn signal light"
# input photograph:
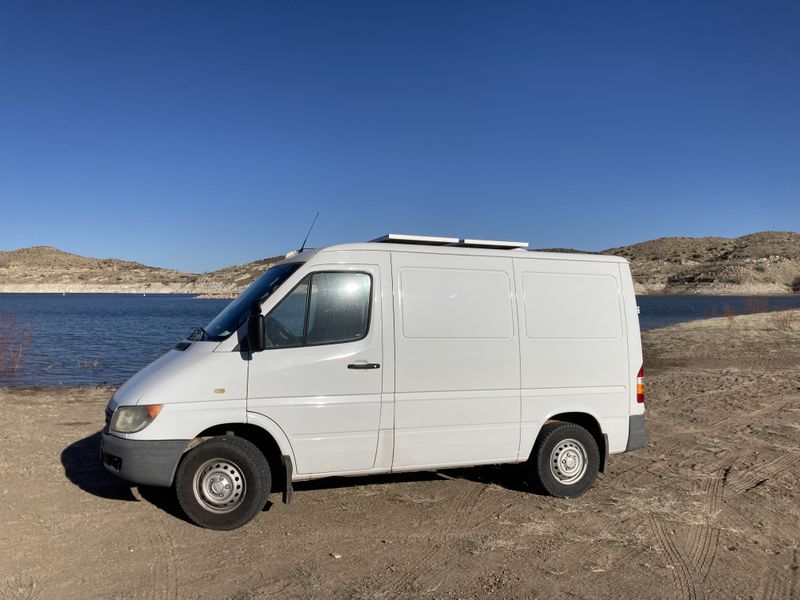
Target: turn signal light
(640, 386)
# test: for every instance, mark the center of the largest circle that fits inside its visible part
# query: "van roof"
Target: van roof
(459, 249)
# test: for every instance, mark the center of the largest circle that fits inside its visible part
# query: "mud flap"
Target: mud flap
(288, 490)
(604, 457)
(637, 434)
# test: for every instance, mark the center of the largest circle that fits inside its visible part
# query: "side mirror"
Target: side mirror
(255, 329)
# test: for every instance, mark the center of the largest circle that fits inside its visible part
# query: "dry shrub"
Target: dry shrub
(14, 342)
(19, 588)
(729, 312)
(91, 365)
(782, 320)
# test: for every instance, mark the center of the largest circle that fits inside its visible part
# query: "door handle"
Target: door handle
(363, 365)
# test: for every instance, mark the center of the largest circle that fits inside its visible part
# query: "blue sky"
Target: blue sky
(197, 135)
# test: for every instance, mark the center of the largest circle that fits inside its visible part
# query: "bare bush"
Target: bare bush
(90, 365)
(14, 342)
(729, 312)
(782, 320)
(19, 588)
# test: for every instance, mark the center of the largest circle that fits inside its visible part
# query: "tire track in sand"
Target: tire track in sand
(759, 474)
(685, 587)
(168, 584)
(161, 580)
(748, 417)
(431, 561)
(780, 587)
(703, 539)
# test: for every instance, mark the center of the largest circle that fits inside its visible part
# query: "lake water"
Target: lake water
(92, 339)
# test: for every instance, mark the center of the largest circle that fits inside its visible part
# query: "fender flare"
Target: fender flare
(526, 445)
(273, 429)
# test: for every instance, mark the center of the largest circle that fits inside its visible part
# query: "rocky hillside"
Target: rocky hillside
(46, 269)
(759, 263)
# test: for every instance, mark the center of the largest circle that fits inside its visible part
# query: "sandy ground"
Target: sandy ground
(710, 509)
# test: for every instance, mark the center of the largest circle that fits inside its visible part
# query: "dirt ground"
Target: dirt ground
(710, 509)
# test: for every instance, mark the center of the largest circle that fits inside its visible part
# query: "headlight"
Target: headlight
(130, 419)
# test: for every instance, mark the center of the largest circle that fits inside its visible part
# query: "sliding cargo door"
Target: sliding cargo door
(457, 398)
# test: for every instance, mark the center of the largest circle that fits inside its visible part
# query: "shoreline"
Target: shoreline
(785, 322)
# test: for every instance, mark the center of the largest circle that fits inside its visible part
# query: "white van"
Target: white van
(402, 354)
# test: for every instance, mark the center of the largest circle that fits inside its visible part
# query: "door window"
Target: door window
(284, 325)
(325, 308)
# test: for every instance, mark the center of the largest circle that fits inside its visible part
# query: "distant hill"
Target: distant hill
(46, 269)
(43, 268)
(231, 280)
(759, 263)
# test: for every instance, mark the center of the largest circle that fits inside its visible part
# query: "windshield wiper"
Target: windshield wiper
(198, 335)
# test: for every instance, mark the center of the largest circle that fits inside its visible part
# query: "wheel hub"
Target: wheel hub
(568, 461)
(219, 485)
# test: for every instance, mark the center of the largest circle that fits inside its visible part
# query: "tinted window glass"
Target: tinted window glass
(339, 307)
(284, 324)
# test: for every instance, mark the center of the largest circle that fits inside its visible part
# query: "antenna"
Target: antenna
(309, 233)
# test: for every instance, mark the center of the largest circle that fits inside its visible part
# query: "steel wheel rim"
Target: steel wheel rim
(568, 461)
(219, 485)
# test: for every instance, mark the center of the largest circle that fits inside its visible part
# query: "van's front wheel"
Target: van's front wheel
(565, 460)
(223, 482)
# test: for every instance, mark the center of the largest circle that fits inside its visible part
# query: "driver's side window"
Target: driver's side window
(335, 310)
(284, 324)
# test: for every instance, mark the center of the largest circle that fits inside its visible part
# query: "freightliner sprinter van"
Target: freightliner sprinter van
(402, 354)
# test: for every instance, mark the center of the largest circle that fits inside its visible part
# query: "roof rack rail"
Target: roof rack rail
(429, 240)
(493, 244)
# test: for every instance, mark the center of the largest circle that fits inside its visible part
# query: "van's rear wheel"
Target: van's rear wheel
(223, 482)
(565, 460)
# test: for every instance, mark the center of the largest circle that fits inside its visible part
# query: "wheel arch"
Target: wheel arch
(261, 438)
(589, 422)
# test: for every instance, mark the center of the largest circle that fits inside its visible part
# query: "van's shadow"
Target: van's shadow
(81, 462)
(511, 477)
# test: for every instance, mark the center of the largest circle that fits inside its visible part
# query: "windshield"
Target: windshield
(235, 314)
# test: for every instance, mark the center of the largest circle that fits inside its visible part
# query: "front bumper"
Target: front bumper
(146, 462)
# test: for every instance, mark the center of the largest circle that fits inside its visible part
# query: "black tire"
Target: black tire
(234, 468)
(560, 441)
